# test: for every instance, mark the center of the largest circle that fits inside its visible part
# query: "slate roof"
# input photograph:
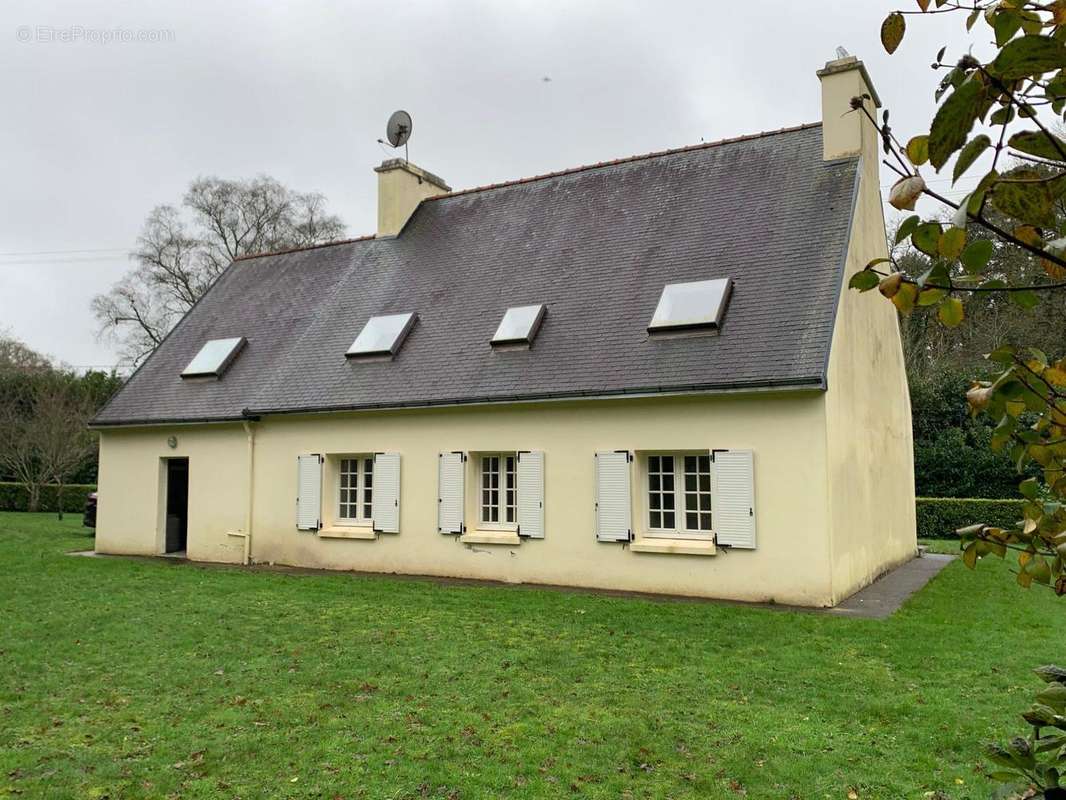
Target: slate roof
(596, 244)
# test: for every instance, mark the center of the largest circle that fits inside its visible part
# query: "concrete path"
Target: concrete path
(877, 601)
(884, 596)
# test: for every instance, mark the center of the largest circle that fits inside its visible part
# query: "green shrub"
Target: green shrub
(940, 517)
(14, 497)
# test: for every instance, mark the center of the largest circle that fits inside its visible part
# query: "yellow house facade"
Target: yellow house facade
(646, 375)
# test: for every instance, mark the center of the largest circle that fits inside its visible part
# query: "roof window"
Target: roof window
(214, 358)
(700, 304)
(382, 336)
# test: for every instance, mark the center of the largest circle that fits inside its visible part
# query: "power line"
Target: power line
(66, 252)
(46, 261)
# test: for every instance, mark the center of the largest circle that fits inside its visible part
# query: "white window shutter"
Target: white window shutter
(450, 493)
(531, 494)
(734, 498)
(614, 508)
(385, 501)
(308, 492)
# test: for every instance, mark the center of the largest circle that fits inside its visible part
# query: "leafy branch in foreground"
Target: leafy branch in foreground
(1001, 115)
(1037, 759)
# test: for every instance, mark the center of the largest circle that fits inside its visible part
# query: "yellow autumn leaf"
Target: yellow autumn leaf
(1056, 271)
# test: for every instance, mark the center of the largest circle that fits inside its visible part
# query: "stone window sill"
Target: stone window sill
(346, 532)
(490, 537)
(685, 547)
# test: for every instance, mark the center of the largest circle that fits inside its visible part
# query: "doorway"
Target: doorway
(177, 516)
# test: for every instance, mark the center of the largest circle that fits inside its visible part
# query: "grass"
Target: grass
(132, 679)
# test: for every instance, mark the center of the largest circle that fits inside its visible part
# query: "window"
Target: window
(519, 325)
(213, 358)
(499, 490)
(700, 304)
(382, 336)
(355, 490)
(679, 495)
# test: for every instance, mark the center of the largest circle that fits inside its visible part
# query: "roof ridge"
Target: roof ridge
(558, 173)
(627, 160)
(320, 245)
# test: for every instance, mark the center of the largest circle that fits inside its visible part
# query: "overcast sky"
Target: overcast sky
(97, 133)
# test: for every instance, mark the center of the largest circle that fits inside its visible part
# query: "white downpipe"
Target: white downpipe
(246, 534)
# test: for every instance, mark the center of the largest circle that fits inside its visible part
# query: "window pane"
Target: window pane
(653, 463)
(668, 501)
(654, 483)
(656, 519)
(668, 482)
(668, 463)
(697, 492)
(656, 501)
(668, 520)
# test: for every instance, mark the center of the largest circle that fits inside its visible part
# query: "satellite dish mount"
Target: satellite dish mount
(398, 131)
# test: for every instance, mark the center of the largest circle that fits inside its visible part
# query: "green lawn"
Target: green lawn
(127, 679)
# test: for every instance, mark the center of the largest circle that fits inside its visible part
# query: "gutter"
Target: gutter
(817, 384)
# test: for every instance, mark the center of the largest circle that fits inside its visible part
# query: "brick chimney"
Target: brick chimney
(401, 187)
(846, 132)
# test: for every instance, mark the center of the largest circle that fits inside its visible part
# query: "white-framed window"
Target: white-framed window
(679, 491)
(355, 490)
(498, 490)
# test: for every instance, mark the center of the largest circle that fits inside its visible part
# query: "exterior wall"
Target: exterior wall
(132, 493)
(868, 415)
(785, 431)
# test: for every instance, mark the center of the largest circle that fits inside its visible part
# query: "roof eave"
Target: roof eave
(812, 384)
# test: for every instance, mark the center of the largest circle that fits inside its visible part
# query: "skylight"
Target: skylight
(519, 324)
(382, 336)
(214, 357)
(700, 304)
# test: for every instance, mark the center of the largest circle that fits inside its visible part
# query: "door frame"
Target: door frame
(161, 506)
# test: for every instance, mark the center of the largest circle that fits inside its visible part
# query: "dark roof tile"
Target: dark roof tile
(596, 245)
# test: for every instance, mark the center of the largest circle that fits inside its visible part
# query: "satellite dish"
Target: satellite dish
(398, 131)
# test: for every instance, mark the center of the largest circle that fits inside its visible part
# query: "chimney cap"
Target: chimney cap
(847, 64)
(391, 164)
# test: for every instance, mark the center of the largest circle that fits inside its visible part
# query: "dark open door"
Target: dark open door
(177, 504)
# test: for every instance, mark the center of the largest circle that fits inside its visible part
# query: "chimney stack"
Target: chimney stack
(401, 187)
(845, 132)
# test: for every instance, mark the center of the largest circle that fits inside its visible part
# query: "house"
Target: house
(643, 375)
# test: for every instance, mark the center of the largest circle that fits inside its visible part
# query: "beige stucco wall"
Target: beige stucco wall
(132, 480)
(786, 432)
(868, 418)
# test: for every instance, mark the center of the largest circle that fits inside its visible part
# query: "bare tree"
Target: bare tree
(181, 252)
(49, 441)
(20, 453)
(14, 355)
(61, 416)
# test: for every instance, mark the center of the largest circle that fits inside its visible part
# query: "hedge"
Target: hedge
(14, 497)
(940, 517)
